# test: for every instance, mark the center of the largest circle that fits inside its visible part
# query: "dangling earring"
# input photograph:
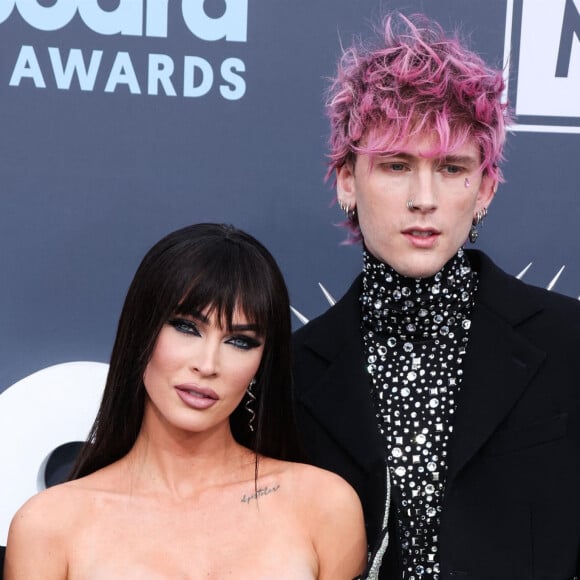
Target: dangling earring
(350, 213)
(249, 405)
(477, 219)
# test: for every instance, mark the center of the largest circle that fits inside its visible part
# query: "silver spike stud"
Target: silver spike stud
(555, 278)
(523, 272)
(299, 315)
(329, 297)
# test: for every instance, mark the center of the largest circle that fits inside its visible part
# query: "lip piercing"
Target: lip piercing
(467, 182)
(411, 204)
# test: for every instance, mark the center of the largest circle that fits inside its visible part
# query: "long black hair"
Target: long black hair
(212, 268)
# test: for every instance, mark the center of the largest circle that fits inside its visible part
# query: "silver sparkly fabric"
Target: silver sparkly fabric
(415, 335)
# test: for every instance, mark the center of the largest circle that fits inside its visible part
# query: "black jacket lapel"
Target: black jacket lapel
(499, 362)
(340, 399)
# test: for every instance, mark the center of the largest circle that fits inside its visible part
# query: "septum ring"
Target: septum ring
(411, 204)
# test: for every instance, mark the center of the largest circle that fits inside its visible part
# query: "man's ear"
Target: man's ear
(345, 186)
(486, 192)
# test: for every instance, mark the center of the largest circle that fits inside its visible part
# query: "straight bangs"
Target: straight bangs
(228, 283)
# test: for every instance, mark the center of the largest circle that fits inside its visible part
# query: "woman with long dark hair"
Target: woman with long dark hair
(189, 470)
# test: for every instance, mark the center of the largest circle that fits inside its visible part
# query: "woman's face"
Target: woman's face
(199, 372)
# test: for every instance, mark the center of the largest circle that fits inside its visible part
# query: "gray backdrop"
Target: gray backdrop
(94, 172)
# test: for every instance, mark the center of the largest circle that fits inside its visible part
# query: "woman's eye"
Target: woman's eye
(244, 342)
(184, 326)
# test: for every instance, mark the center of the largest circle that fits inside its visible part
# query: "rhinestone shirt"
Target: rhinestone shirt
(415, 335)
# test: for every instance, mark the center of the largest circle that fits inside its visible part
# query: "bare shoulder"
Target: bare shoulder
(42, 516)
(331, 510)
(324, 486)
(319, 493)
(37, 538)
(39, 511)
(43, 530)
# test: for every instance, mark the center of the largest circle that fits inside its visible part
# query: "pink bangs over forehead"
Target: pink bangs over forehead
(417, 82)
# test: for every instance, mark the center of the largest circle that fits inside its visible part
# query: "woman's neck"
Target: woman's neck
(165, 459)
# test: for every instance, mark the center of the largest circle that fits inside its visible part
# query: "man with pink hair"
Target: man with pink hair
(444, 390)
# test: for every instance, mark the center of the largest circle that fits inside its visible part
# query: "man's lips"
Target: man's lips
(421, 232)
(424, 238)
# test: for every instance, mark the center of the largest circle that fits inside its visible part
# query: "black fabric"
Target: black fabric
(415, 332)
(2, 552)
(511, 509)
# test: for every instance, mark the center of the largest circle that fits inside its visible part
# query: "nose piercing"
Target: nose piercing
(466, 182)
(411, 204)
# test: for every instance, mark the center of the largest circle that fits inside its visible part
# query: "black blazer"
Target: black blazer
(511, 509)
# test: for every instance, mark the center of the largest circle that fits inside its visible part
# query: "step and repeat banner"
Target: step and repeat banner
(122, 120)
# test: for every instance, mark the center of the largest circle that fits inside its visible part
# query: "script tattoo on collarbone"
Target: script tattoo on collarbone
(261, 492)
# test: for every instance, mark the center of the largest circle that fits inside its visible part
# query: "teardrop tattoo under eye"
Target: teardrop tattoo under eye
(467, 183)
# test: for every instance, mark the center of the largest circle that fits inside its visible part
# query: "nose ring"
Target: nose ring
(411, 204)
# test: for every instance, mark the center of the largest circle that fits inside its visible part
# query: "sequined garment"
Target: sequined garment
(415, 336)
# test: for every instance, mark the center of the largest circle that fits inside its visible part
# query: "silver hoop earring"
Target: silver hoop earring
(349, 213)
(411, 204)
(477, 220)
(249, 404)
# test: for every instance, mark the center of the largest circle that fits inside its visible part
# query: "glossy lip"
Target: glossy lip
(197, 397)
(426, 239)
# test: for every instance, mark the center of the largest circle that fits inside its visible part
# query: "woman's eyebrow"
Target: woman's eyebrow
(241, 327)
(199, 316)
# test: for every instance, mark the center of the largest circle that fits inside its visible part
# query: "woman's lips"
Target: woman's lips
(197, 397)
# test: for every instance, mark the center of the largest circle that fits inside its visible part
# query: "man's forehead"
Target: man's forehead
(424, 145)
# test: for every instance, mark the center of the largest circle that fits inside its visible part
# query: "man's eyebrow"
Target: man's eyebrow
(397, 154)
(459, 159)
(450, 159)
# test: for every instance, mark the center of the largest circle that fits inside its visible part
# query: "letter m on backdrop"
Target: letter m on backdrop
(543, 50)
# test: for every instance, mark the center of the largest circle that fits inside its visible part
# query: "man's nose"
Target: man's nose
(423, 192)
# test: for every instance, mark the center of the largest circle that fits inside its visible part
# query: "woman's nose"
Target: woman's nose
(205, 358)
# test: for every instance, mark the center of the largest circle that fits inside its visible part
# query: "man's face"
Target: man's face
(446, 192)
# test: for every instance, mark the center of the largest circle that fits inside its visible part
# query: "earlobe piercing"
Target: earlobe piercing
(350, 213)
(477, 219)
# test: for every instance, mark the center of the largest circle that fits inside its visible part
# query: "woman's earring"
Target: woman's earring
(249, 405)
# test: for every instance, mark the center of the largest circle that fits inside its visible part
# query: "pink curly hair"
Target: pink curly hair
(418, 81)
